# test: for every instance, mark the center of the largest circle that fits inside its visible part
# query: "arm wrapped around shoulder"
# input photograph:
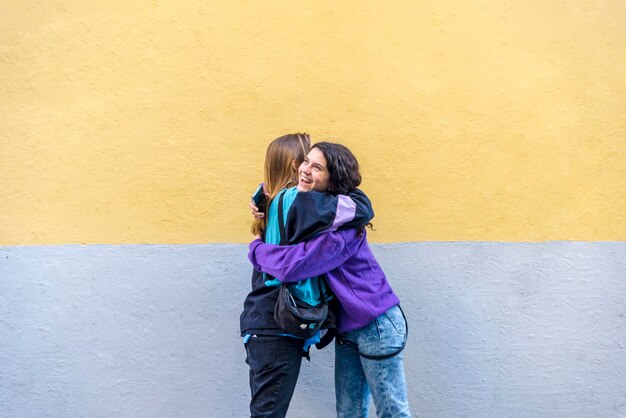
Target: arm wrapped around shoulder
(312, 213)
(291, 263)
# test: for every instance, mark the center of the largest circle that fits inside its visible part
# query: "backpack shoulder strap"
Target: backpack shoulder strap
(281, 219)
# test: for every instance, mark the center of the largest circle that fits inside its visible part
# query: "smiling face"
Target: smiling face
(313, 172)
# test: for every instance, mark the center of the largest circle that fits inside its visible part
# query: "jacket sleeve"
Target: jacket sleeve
(312, 213)
(291, 263)
(363, 211)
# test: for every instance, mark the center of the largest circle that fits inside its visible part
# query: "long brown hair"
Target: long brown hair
(282, 159)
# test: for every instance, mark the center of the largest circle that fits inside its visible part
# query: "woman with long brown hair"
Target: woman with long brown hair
(274, 356)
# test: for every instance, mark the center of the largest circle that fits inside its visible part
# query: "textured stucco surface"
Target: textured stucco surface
(496, 330)
(147, 121)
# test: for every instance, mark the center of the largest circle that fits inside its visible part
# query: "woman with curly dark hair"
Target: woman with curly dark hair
(373, 329)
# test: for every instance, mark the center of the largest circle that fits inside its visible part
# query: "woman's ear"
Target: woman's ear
(294, 166)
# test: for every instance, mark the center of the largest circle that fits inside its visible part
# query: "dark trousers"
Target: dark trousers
(274, 367)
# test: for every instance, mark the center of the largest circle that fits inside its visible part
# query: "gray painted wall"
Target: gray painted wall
(496, 330)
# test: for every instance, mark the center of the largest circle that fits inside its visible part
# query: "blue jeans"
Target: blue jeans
(357, 379)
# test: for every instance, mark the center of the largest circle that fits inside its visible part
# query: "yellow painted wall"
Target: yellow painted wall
(147, 121)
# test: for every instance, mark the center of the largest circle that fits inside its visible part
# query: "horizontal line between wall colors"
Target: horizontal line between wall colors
(235, 244)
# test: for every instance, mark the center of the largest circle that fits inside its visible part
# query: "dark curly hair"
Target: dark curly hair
(342, 166)
(343, 170)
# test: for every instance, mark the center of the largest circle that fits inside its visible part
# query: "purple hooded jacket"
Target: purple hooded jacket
(352, 272)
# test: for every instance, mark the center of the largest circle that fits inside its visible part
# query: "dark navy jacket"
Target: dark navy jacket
(310, 214)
